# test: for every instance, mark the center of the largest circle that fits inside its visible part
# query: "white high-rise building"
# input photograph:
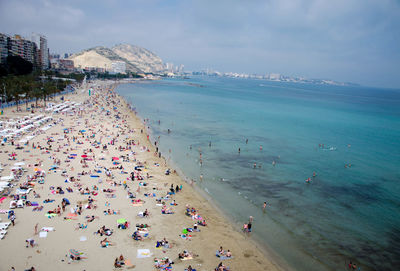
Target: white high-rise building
(41, 43)
(118, 67)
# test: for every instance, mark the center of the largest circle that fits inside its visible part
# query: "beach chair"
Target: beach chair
(2, 233)
(4, 225)
(20, 204)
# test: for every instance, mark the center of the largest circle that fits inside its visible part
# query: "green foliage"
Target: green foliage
(107, 75)
(35, 85)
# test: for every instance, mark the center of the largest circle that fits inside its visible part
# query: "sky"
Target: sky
(344, 40)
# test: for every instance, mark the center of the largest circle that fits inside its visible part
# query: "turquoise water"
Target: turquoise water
(344, 213)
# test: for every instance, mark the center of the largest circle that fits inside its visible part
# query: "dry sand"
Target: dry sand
(51, 252)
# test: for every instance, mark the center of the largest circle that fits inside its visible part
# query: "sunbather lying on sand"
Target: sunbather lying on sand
(221, 253)
(136, 236)
(111, 212)
(186, 255)
(91, 218)
(30, 242)
(163, 263)
(165, 210)
(221, 267)
(163, 243)
(106, 243)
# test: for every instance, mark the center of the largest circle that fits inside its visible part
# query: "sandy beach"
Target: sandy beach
(98, 156)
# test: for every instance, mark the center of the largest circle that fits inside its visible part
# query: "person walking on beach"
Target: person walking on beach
(12, 218)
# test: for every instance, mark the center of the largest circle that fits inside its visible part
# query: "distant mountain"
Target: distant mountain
(140, 57)
(137, 59)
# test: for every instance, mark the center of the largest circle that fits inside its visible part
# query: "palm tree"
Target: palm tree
(14, 90)
(29, 86)
(47, 90)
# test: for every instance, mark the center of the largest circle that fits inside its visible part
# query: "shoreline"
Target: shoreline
(50, 251)
(235, 226)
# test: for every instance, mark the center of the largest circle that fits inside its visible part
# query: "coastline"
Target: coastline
(50, 252)
(215, 209)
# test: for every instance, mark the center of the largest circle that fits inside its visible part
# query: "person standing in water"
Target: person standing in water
(264, 205)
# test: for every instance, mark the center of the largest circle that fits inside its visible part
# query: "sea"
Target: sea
(325, 159)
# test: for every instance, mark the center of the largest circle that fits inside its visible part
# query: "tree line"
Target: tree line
(18, 82)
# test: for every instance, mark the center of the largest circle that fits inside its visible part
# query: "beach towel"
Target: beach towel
(3, 211)
(47, 229)
(43, 234)
(143, 253)
(4, 225)
(187, 258)
(221, 257)
(128, 264)
(82, 238)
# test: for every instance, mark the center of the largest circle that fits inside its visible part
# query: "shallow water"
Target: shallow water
(342, 214)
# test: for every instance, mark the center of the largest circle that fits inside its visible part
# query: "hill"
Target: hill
(137, 59)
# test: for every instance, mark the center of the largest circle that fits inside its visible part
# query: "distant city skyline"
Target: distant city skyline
(347, 41)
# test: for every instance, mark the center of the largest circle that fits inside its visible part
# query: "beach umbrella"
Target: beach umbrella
(36, 169)
(15, 168)
(115, 158)
(74, 252)
(19, 164)
(84, 156)
(121, 221)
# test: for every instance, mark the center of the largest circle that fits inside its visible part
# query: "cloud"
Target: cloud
(345, 40)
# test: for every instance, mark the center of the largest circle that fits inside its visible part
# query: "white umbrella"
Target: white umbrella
(19, 164)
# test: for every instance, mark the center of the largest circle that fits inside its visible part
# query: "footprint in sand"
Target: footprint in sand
(248, 254)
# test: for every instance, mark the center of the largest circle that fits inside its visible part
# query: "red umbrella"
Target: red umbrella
(115, 158)
(84, 155)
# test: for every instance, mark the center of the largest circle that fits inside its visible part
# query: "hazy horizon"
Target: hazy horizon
(348, 41)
